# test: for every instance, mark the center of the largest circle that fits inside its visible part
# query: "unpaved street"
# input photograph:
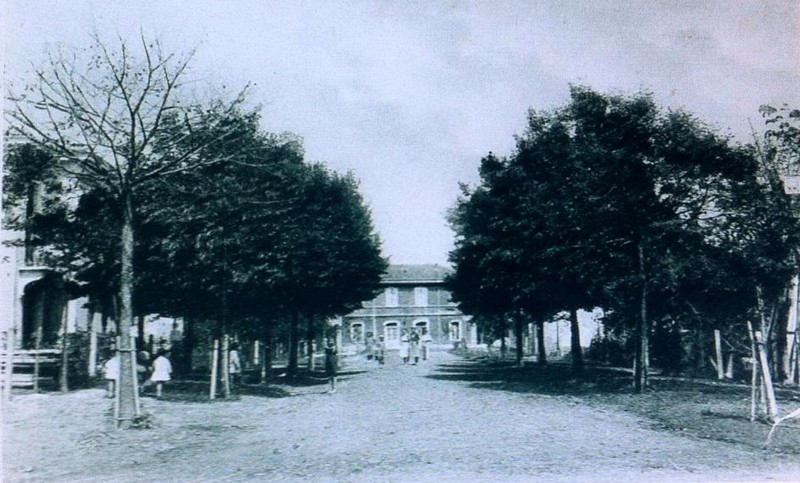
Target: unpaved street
(430, 422)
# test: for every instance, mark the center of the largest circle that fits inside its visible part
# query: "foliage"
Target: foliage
(611, 202)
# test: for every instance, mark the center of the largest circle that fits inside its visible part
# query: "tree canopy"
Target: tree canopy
(612, 202)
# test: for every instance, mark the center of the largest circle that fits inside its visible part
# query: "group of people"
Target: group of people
(414, 344)
(149, 373)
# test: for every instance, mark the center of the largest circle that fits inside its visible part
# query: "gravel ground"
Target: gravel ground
(443, 420)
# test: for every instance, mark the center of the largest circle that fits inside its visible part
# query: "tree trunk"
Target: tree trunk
(226, 376)
(140, 332)
(212, 388)
(92, 319)
(518, 334)
(575, 342)
(642, 331)
(127, 397)
(266, 359)
(294, 330)
(541, 349)
(310, 335)
(64, 372)
(187, 345)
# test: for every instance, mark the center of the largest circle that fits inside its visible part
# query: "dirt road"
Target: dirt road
(429, 422)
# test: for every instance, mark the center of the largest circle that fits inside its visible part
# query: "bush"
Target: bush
(606, 349)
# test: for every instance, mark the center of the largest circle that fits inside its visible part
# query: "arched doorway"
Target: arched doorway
(391, 334)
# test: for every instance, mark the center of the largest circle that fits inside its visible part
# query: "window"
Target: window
(420, 296)
(357, 332)
(455, 330)
(421, 324)
(391, 296)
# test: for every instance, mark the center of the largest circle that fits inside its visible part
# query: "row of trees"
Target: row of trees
(669, 227)
(187, 209)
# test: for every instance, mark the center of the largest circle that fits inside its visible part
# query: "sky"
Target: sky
(410, 95)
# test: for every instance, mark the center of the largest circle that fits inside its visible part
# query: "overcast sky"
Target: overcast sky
(410, 95)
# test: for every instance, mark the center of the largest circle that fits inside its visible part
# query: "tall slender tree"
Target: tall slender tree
(114, 119)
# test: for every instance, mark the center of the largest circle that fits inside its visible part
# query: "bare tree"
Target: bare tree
(115, 119)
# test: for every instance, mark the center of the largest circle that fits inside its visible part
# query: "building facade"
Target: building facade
(411, 297)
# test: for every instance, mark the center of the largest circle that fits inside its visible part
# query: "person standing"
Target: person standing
(111, 374)
(379, 349)
(413, 350)
(331, 364)
(162, 371)
(234, 365)
(142, 363)
(405, 346)
(426, 340)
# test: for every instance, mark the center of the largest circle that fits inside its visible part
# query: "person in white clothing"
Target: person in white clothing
(162, 371)
(234, 365)
(111, 374)
(426, 342)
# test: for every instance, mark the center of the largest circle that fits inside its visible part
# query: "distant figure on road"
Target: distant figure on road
(369, 346)
(426, 340)
(142, 363)
(234, 365)
(111, 374)
(413, 350)
(331, 364)
(379, 350)
(162, 371)
(405, 346)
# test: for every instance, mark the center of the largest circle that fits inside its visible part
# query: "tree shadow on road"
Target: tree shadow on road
(557, 379)
(700, 408)
(278, 386)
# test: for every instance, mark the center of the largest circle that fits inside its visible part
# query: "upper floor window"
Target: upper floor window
(391, 294)
(420, 296)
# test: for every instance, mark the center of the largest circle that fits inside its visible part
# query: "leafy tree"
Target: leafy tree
(610, 202)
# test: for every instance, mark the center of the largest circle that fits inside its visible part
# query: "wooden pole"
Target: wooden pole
(92, 343)
(134, 356)
(226, 377)
(718, 353)
(772, 407)
(212, 392)
(117, 421)
(64, 372)
(754, 375)
(729, 367)
(791, 327)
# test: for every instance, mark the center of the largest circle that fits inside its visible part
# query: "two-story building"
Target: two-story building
(412, 296)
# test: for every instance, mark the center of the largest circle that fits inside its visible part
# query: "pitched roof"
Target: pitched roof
(430, 273)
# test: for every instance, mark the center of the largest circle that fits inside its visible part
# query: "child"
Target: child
(142, 362)
(380, 351)
(331, 364)
(162, 370)
(111, 374)
(234, 365)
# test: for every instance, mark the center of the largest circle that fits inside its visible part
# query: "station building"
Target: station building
(411, 296)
